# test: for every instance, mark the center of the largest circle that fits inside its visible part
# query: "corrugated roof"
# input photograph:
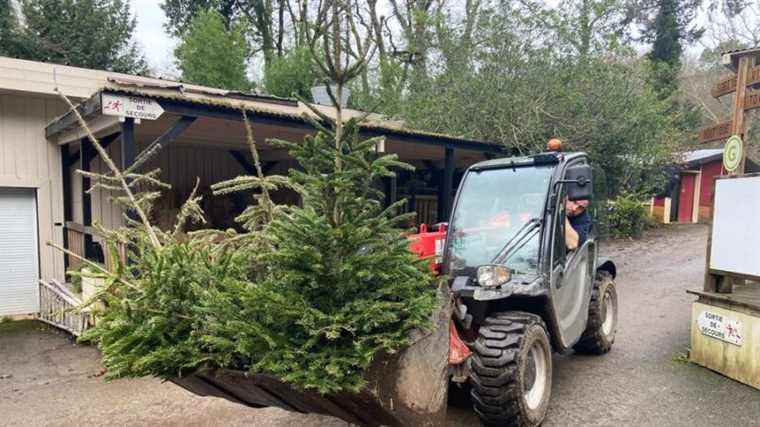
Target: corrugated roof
(691, 156)
(700, 157)
(730, 59)
(42, 78)
(266, 105)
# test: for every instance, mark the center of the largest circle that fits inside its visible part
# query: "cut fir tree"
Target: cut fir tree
(323, 298)
(340, 283)
(312, 295)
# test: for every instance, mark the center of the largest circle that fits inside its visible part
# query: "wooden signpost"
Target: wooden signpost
(746, 74)
(716, 132)
(725, 86)
(744, 70)
(752, 101)
(724, 327)
(728, 85)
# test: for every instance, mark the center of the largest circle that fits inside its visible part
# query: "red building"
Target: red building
(688, 197)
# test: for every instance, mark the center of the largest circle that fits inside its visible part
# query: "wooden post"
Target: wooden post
(128, 150)
(86, 154)
(128, 147)
(393, 190)
(737, 122)
(716, 283)
(448, 184)
(666, 206)
(67, 199)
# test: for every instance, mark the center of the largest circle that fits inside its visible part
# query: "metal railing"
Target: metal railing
(59, 308)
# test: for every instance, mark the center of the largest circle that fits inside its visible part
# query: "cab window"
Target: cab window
(559, 248)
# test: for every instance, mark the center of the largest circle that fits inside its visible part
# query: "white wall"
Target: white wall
(28, 160)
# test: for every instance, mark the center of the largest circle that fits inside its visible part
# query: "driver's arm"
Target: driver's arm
(571, 236)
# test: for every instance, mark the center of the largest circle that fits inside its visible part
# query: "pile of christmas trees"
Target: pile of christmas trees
(309, 293)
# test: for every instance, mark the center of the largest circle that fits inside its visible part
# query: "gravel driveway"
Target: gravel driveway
(45, 380)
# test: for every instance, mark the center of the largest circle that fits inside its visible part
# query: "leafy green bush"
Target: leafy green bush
(624, 217)
(290, 75)
(210, 54)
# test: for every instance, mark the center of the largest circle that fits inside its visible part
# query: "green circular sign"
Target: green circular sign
(732, 154)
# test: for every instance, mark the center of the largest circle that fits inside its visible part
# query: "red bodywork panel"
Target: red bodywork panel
(458, 350)
(429, 244)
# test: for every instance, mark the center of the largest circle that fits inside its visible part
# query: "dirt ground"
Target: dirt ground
(45, 380)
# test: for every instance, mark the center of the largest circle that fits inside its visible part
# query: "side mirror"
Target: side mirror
(579, 181)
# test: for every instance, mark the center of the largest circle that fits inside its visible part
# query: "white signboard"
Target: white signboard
(736, 226)
(131, 106)
(721, 327)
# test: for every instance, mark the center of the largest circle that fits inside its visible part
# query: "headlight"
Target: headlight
(490, 276)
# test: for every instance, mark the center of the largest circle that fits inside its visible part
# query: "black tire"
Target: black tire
(511, 384)
(598, 336)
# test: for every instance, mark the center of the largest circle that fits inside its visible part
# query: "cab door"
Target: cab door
(571, 281)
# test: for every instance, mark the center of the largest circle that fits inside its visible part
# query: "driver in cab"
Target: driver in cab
(577, 223)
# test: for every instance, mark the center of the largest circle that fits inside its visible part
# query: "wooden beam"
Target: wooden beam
(163, 140)
(753, 74)
(737, 123)
(99, 125)
(248, 167)
(128, 146)
(729, 84)
(128, 152)
(66, 179)
(724, 86)
(752, 101)
(105, 142)
(228, 113)
(86, 109)
(391, 186)
(87, 153)
(233, 114)
(173, 132)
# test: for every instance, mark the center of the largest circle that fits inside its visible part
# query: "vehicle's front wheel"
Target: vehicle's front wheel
(511, 374)
(602, 317)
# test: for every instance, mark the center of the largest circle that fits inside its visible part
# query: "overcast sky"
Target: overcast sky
(158, 47)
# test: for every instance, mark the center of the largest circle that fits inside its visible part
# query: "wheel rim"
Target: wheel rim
(536, 377)
(608, 313)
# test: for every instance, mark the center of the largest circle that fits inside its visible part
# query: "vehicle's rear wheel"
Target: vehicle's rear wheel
(602, 317)
(511, 374)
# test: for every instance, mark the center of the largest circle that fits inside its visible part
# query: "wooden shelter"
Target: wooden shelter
(201, 136)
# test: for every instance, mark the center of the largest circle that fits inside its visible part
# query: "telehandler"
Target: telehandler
(514, 294)
(520, 294)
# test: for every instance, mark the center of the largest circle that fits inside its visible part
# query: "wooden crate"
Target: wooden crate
(716, 345)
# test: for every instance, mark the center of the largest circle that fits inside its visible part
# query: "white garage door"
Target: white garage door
(18, 252)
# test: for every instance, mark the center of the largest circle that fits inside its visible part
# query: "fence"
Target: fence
(58, 307)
